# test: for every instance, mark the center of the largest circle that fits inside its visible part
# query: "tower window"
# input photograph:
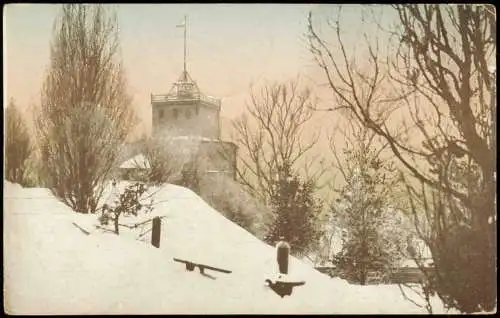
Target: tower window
(162, 113)
(188, 113)
(197, 110)
(175, 112)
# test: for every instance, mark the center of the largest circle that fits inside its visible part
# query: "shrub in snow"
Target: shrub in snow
(127, 203)
(190, 177)
(173, 160)
(233, 212)
(373, 237)
(166, 158)
(17, 145)
(32, 175)
(231, 200)
(296, 213)
(459, 236)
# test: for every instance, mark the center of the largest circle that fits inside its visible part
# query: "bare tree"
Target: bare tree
(85, 110)
(435, 82)
(271, 137)
(18, 145)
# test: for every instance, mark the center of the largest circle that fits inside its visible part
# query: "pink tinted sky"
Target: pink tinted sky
(229, 47)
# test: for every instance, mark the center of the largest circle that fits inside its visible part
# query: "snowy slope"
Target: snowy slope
(51, 267)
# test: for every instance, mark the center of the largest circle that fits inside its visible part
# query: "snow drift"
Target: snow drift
(52, 267)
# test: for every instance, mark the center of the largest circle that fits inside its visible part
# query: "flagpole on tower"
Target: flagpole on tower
(184, 25)
(185, 35)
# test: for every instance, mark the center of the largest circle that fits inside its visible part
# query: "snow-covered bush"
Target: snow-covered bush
(230, 198)
(32, 175)
(373, 236)
(127, 203)
(168, 159)
(296, 213)
(17, 145)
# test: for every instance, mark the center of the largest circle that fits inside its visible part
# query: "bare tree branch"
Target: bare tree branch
(274, 137)
(436, 80)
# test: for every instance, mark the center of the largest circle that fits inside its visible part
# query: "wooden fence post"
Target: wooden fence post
(155, 234)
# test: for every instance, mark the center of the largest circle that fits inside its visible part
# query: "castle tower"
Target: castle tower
(185, 111)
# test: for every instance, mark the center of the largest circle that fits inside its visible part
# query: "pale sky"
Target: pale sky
(229, 47)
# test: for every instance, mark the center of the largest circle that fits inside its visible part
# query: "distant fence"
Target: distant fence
(404, 275)
(409, 275)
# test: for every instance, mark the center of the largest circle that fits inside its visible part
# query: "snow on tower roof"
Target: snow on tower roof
(185, 88)
(190, 137)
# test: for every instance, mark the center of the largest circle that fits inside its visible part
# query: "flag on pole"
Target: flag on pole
(182, 25)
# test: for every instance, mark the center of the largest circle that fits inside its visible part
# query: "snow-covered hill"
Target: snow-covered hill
(52, 267)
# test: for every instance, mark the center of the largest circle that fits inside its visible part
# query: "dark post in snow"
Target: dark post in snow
(283, 251)
(155, 234)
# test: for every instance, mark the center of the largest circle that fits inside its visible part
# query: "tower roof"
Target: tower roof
(184, 87)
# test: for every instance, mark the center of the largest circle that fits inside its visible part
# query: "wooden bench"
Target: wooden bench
(190, 266)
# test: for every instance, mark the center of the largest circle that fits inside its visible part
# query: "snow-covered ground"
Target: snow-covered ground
(52, 267)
